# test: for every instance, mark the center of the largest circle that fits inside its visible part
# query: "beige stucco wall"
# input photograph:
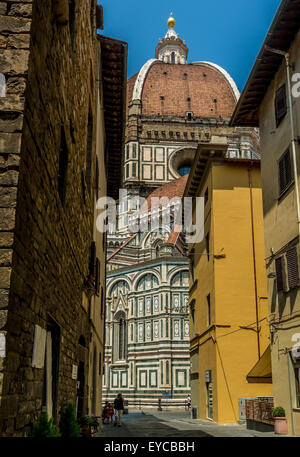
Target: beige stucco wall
(280, 217)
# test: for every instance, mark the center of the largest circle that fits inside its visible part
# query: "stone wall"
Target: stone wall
(45, 263)
(15, 25)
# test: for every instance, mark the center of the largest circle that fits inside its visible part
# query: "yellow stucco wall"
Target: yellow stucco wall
(229, 278)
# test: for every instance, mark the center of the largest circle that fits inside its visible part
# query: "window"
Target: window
(97, 285)
(127, 170)
(297, 382)
(285, 171)
(292, 267)
(63, 167)
(147, 282)
(97, 179)
(51, 369)
(102, 302)
(184, 170)
(206, 196)
(127, 151)
(189, 115)
(134, 170)
(207, 246)
(208, 310)
(72, 14)
(173, 57)
(100, 363)
(89, 146)
(280, 104)
(122, 336)
(149, 134)
(280, 273)
(134, 151)
(167, 373)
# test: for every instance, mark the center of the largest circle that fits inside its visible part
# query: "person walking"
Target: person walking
(188, 402)
(119, 408)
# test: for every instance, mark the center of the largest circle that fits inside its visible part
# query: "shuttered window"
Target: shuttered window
(292, 267)
(97, 276)
(92, 262)
(285, 171)
(280, 104)
(279, 263)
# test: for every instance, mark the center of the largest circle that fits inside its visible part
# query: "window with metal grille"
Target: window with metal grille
(280, 104)
(285, 171)
(280, 273)
(292, 267)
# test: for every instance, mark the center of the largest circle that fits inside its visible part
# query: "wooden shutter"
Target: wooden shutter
(280, 104)
(280, 274)
(92, 266)
(97, 275)
(292, 267)
(285, 171)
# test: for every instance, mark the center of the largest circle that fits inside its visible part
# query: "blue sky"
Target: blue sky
(226, 32)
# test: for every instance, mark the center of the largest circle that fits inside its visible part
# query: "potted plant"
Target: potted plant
(280, 425)
(45, 428)
(68, 424)
(89, 425)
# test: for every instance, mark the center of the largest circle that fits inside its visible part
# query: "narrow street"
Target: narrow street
(173, 424)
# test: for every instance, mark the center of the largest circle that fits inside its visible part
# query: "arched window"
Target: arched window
(147, 282)
(180, 279)
(173, 57)
(120, 286)
(120, 337)
(122, 333)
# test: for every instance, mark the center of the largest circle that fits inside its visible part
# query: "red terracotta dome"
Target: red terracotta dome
(203, 88)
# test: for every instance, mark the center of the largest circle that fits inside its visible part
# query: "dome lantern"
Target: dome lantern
(172, 49)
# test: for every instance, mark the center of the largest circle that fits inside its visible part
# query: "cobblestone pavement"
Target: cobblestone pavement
(173, 424)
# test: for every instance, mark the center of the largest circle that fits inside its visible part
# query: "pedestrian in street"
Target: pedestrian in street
(111, 412)
(119, 408)
(188, 402)
(105, 413)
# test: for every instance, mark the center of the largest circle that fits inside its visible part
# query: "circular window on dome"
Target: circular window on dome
(181, 161)
(184, 170)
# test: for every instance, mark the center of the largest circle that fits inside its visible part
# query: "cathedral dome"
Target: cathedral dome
(201, 88)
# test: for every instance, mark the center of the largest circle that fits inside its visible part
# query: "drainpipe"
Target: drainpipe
(293, 139)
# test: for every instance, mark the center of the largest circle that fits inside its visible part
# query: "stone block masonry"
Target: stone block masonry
(44, 242)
